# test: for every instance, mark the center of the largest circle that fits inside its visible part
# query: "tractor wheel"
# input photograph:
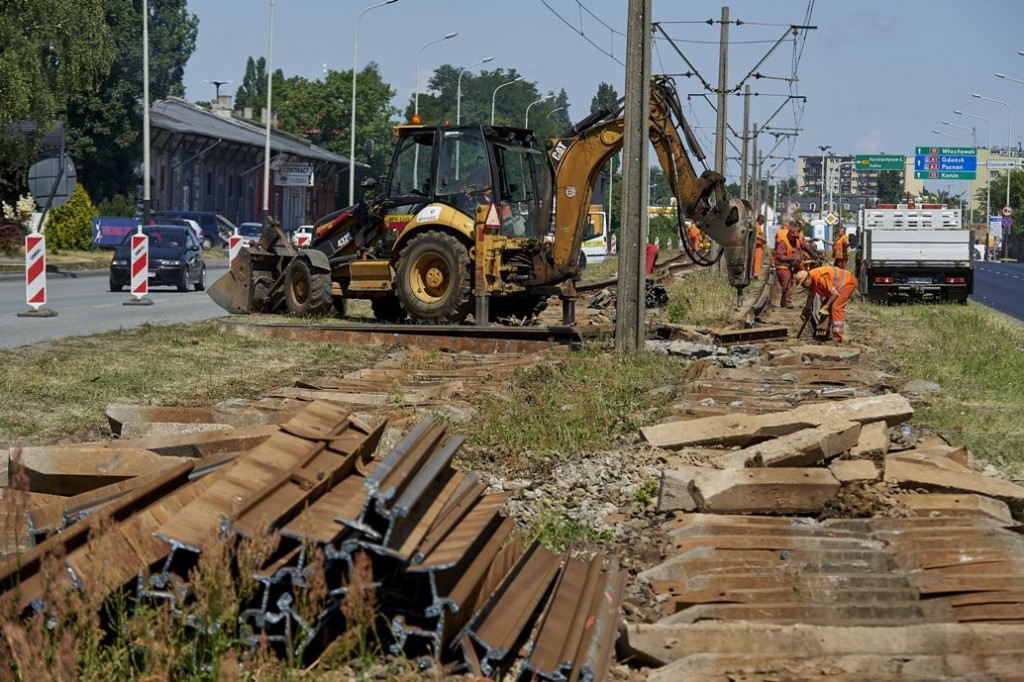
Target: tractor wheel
(387, 309)
(306, 292)
(435, 279)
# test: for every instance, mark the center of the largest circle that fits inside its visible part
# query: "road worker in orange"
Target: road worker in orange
(759, 240)
(841, 248)
(835, 286)
(787, 259)
(693, 236)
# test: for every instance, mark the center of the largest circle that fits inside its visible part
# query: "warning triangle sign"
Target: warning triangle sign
(492, 218)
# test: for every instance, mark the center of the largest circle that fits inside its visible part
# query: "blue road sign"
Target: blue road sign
(941, 162)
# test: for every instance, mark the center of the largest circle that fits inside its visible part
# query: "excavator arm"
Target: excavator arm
(580, 153)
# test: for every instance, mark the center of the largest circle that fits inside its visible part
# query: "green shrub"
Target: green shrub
(11, 239)
(117, 206)
(70, 226)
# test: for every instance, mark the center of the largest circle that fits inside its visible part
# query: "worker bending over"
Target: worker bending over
(835, 286)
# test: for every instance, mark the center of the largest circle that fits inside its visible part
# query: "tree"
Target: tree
(890, 189)
(70, 226)
(997, 185)
(605, 96)
(105, 125)
(252, 93)
(51, 50)
(321, 111)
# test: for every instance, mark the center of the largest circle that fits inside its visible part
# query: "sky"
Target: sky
(878, 75)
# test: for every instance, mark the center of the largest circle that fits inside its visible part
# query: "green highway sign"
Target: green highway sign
(944, 175)
(881, 162)
(946, 151)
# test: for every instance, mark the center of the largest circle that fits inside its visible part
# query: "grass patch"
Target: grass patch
(702, 297)
(583, 401)
(60, 390)
(556, 530)
(977, 356)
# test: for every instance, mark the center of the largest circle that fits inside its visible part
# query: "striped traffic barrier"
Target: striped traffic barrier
(234, 246)
(302, 240)
(140, 270)
(35, 277)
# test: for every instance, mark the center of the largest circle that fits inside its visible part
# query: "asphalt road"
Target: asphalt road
(85, 305)
(1000, 286)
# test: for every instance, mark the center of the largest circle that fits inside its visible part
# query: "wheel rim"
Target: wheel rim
(430, 278)
(300, 286)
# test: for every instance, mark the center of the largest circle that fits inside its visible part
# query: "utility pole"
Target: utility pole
(630, 330)
(745, 156)
(755, 176)
(723, 101)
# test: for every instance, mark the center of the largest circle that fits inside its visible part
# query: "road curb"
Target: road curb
(55, 272)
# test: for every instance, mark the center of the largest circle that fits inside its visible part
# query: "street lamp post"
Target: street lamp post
(458, 90)
(970, 183)
(526, 123)
(824, 166)
(494, 95)
(1009, 143)
(352, 122)
(147, 201)
(416, 96)
(988, 185)
(269, 116)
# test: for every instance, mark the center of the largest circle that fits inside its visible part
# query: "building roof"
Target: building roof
(180, 116)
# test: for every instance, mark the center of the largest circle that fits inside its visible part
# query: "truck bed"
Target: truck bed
(918, 246)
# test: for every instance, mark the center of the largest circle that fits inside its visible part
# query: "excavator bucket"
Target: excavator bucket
(233, 291)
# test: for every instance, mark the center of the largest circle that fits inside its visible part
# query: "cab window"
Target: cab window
(525, 180)
(414, 160)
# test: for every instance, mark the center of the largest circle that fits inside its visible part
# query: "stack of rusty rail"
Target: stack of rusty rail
(442, 562)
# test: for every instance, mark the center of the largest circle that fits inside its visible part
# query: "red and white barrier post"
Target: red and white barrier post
(139, 264)
(234, 246)
(302, 240)
(35, 276)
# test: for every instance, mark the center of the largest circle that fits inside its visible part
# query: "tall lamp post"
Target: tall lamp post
(352, 123)
(970, 183)
(458, 90)
(494, 95)
(269, 116)
(988, 185)
(147, 200)
(526, 123)
(1009, 143)
(824, 167)
(419, 58)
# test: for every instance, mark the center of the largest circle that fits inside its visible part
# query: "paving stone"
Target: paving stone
(763, 490)
(916, 470)
(147, 429)
(802, 448)
(78, 469)
(939, 504)
(744, 430)
(828, 353)
(873, 441)
(850, 470)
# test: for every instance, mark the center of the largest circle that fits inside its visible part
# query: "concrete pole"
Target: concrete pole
(270, 115)
(723, 77)
(745, 160)
(630, 331)
(755, 175)
(147, 200)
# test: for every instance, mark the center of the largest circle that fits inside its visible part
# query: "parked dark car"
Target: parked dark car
(175, 259)
(216, 228)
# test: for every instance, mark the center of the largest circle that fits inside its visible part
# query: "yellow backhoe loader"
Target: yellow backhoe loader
(460, 225)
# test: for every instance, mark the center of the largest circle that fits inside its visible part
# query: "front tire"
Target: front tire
(306, 292)
(183, 282)
(201, 282)
(435, 279)
(114, 286)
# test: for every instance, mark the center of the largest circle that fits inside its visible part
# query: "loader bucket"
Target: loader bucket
(233, 291)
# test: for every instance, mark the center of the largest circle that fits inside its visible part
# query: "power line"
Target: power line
(582, 8)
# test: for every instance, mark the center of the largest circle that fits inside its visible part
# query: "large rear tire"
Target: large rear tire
(435, 279)
(306, 292)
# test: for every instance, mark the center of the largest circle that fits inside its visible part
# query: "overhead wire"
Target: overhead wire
(582, 32)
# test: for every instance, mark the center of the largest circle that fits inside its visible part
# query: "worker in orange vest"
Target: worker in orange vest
(841, 248)
(787, 259)
(835, 286)
(759, 240)
(693, 235)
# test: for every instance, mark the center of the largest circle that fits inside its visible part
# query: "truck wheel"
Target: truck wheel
(435, 279)
(306, 292)
(387, 308)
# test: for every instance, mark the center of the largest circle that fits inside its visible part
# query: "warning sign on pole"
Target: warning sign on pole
(234, 246)
(35, 270)
(140, 270)
(35, 276)
(492, 222)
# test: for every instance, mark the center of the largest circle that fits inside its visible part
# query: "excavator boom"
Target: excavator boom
(579, 155)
